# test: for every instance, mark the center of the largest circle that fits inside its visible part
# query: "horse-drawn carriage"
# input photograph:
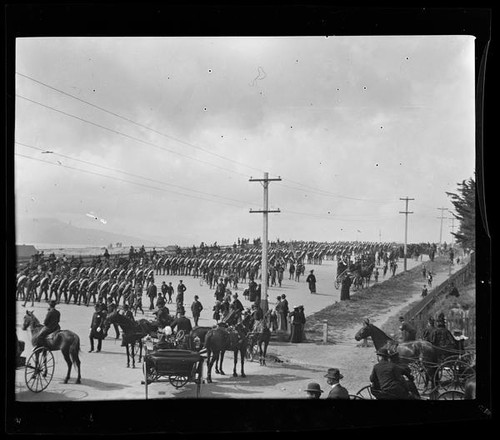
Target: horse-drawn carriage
(438, 373)
(163, 362)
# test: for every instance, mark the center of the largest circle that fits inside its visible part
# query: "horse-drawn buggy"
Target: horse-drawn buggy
(164, 362)
(438, 373)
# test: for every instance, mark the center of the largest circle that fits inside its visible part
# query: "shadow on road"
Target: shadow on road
(103, 386)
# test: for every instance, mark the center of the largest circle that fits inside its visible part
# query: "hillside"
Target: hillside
(53, 231)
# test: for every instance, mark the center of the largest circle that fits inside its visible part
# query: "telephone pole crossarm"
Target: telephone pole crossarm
(262, 211)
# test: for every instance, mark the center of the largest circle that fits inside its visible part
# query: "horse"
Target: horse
(219, 340)
(65, 340)
(195, 340)
(132, 333)
(259, 334)
(408, 351)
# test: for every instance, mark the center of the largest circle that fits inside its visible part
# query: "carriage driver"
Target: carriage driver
(50, 324)
(163, 317)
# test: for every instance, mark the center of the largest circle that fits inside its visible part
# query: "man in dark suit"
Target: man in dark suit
(337, 391)
(182, 323)
(50, 324)
(152, 292)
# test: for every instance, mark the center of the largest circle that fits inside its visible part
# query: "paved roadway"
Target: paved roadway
(106, 377)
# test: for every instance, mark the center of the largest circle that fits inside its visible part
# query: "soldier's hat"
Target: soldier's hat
(52, 303)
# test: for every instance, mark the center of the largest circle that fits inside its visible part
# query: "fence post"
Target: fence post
(325, 330)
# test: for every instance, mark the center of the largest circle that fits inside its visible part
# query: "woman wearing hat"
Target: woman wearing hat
(313, 391)
(443, 339)
(337, 391)
(311, 281)
(297, 320)
(427, 333)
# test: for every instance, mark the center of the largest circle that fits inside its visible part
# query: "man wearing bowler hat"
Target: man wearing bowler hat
(313, 391)
(337, 391)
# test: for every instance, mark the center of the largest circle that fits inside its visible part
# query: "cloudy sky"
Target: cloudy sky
(160, 136)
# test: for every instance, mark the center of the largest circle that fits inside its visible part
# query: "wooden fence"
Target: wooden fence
(464, 320)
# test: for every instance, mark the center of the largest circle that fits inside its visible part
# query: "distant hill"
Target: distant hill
(53, 231)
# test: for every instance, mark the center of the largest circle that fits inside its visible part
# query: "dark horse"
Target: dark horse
(408, 351)
(133, 333)
(220, 339)
(65, 340)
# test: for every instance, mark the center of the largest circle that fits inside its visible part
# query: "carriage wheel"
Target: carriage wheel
(452, 395)
(463, 372)
(365, 393)
(453, 374)
(39, 369)
(420, 376)
(146, 378)
(178, 381)
(199, 378)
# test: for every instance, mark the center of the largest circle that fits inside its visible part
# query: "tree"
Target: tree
(464, 202)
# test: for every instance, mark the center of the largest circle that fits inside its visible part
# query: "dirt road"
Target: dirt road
(289, 369)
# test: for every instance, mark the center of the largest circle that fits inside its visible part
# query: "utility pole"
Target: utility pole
(441, 230)
(406, 212)
(265, 211)
(452, 227)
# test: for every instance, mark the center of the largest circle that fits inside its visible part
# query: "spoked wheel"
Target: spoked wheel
(452, 375)
(39, 369)
(149, 375)
(146, 378)
(178, 381)
(420, 377)
(199, 378)
(365, 393)
(452, 395)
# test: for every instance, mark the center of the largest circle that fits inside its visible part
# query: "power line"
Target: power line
(330, 194)
(131, 174)
(136, 123)
(125, 180)
(316, 190)
(128, 136)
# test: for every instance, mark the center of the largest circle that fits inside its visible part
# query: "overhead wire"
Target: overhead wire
(308, 189)
(137, 123)
(131, 174)
(126, 181)
(128, 136)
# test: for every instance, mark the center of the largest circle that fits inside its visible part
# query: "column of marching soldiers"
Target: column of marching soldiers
(123, 278)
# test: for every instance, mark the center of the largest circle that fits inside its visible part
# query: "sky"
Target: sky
(159, 137)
